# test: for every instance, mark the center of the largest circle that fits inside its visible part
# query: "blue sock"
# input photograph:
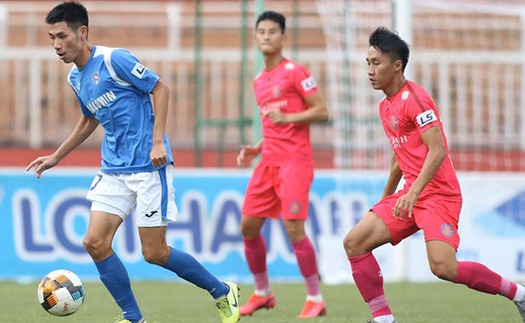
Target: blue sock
(189, 269)
(115, 277)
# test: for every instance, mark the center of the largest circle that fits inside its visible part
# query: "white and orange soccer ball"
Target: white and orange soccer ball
(61, 292)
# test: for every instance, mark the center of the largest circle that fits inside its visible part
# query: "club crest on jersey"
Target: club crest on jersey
(394, 122)
(447, 230)
(277, 91)
(426, 117)
(138, 70)
(295, 207)
(95, 78)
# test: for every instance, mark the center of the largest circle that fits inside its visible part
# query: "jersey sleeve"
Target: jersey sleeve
(72, 74)
(83, 108)
(304, 82)
(423, 112)
(129, 69)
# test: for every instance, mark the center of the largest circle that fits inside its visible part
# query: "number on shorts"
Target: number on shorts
(97, 180)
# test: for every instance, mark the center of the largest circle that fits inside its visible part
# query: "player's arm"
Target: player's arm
(393, 178)
(247, 153)
(316, 112)
(158, 154)
(84, 128)
(436, 154)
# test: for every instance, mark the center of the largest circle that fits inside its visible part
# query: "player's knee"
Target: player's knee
(156, 257)
(96, 248)
(249, 232)
(443, 270)
(350, 245)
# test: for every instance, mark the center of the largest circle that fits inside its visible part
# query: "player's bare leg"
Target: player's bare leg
(156, 251)
(443, 263)
(370, 233)
(255, 252)
(306, 259)
(98, 240)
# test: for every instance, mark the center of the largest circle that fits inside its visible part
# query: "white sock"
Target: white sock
(520, 293)
(262, 293)
(314, 298)
(384, 318)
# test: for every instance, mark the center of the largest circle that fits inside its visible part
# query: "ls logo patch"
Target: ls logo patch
(426, 118)
(138, 70)
(308, 84)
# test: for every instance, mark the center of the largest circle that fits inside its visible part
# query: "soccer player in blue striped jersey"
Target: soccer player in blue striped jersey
(113, 89)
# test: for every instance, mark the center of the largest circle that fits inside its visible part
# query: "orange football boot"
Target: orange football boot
(257, 302)
(313, 309)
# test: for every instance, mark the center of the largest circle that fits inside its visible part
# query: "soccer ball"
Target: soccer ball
(61, 292)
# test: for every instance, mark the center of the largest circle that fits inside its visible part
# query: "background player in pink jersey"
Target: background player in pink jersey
(430, 199)
(288, 99)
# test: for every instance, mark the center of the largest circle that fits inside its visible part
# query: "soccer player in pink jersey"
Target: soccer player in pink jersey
(430, 199)
(289, 101)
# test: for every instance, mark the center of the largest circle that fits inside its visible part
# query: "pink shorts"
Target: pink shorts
(437, 218)
(275, 190)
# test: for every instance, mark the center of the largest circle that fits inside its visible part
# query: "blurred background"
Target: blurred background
(468, 54)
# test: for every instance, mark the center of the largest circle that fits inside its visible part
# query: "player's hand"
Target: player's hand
(404, 205)
(246, 155)
(158, 155)
(41, 164)
(276, 116)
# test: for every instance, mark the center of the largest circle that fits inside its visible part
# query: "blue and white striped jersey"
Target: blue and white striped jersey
(115, 88)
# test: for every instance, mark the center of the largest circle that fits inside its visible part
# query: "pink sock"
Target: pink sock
(369, 280)
(305, 253)
(255, 252)
(480, 278)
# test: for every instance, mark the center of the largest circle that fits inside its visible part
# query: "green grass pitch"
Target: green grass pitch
(174, 302)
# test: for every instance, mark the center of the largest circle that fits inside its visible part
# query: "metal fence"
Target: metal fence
(477, 88)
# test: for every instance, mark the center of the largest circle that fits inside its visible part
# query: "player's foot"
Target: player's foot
(228, 305)
(257, 302)
(521, 308)
(313, 309)
(121, 319)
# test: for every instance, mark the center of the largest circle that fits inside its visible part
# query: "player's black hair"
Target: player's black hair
(391, 44)
(71, 12)
(273, 16)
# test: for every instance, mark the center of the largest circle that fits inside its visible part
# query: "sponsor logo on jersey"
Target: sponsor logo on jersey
(101, 101)
(447, 230)
(308, 84)
(275, 105)
(138, 70)
(426, 117)
(397, 142)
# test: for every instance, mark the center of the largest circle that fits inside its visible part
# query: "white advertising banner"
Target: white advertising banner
(44, 221)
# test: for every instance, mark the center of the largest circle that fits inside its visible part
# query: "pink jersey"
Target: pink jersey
(405, 116)
(285, 87)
